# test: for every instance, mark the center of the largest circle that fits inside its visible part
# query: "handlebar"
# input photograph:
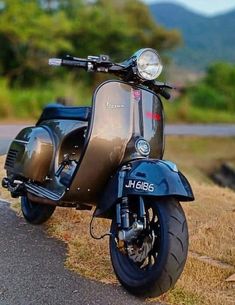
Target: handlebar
(102, 63)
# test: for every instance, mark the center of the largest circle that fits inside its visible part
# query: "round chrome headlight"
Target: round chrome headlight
(148, 63)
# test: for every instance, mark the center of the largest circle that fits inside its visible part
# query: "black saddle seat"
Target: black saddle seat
(60, 112)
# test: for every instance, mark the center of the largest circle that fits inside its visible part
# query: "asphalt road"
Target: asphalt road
(203, 130)
(4, 144)
(32, 270)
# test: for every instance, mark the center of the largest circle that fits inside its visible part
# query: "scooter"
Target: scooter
(110, 156)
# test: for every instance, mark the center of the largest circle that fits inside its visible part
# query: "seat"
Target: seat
(60, 112)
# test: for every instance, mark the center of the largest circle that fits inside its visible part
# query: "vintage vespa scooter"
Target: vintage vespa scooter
(110, 156)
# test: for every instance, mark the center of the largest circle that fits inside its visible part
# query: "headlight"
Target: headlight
(149, 64)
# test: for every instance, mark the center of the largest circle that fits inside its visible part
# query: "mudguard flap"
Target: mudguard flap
(146, 178)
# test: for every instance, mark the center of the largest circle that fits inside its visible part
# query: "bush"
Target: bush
(211, 100)
(204, 96)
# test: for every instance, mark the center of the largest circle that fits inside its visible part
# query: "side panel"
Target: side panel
(30, 154)
(36, 152)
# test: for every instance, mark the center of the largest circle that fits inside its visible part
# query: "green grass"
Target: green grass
(25, 103)
(182, 111)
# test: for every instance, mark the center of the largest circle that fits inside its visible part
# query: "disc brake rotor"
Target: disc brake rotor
(139, 253)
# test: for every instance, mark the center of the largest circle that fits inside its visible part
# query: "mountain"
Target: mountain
(205, 39)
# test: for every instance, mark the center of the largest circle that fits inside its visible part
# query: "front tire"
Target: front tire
(36, 213)
(167, 258)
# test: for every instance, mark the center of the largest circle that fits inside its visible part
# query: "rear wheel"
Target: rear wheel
(152, 263)
(36, 213)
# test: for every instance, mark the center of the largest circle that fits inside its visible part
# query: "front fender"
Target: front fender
(146, 177)
(156, 178)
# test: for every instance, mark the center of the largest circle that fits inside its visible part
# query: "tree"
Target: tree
(28, 36)
(118, 28)
(31, 31)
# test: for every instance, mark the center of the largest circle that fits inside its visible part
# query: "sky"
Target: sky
(206, 7)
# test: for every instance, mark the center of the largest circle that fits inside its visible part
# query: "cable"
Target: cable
(96, 237)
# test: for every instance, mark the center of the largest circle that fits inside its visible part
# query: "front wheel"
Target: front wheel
(152, 263)
(35, 213)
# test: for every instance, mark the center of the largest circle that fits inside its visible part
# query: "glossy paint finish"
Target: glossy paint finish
(148, 123)
(147, 177)
(60, 131)
(30, 154)
(162, 178)
(119, 115)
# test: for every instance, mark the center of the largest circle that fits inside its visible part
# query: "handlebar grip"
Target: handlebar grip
(165, 94)
(67, 62)
(72, 63)
(55, 62)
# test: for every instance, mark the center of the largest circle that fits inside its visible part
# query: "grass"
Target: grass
(198, 157)
(182, 111)
(24, 103)
(211, 225)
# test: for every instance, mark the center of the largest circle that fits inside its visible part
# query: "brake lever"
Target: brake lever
(165, 94)
(101, 59)
(70, 57)
(163, 85)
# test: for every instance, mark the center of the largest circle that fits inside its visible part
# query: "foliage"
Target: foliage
(31, 31)
(28, 35)
(216, 90)
(205, 96)
(210, 100)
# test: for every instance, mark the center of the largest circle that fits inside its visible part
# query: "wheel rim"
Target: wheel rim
(147, 246)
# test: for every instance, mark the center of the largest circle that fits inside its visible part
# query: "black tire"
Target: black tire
(36, 213)
(171, 248)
